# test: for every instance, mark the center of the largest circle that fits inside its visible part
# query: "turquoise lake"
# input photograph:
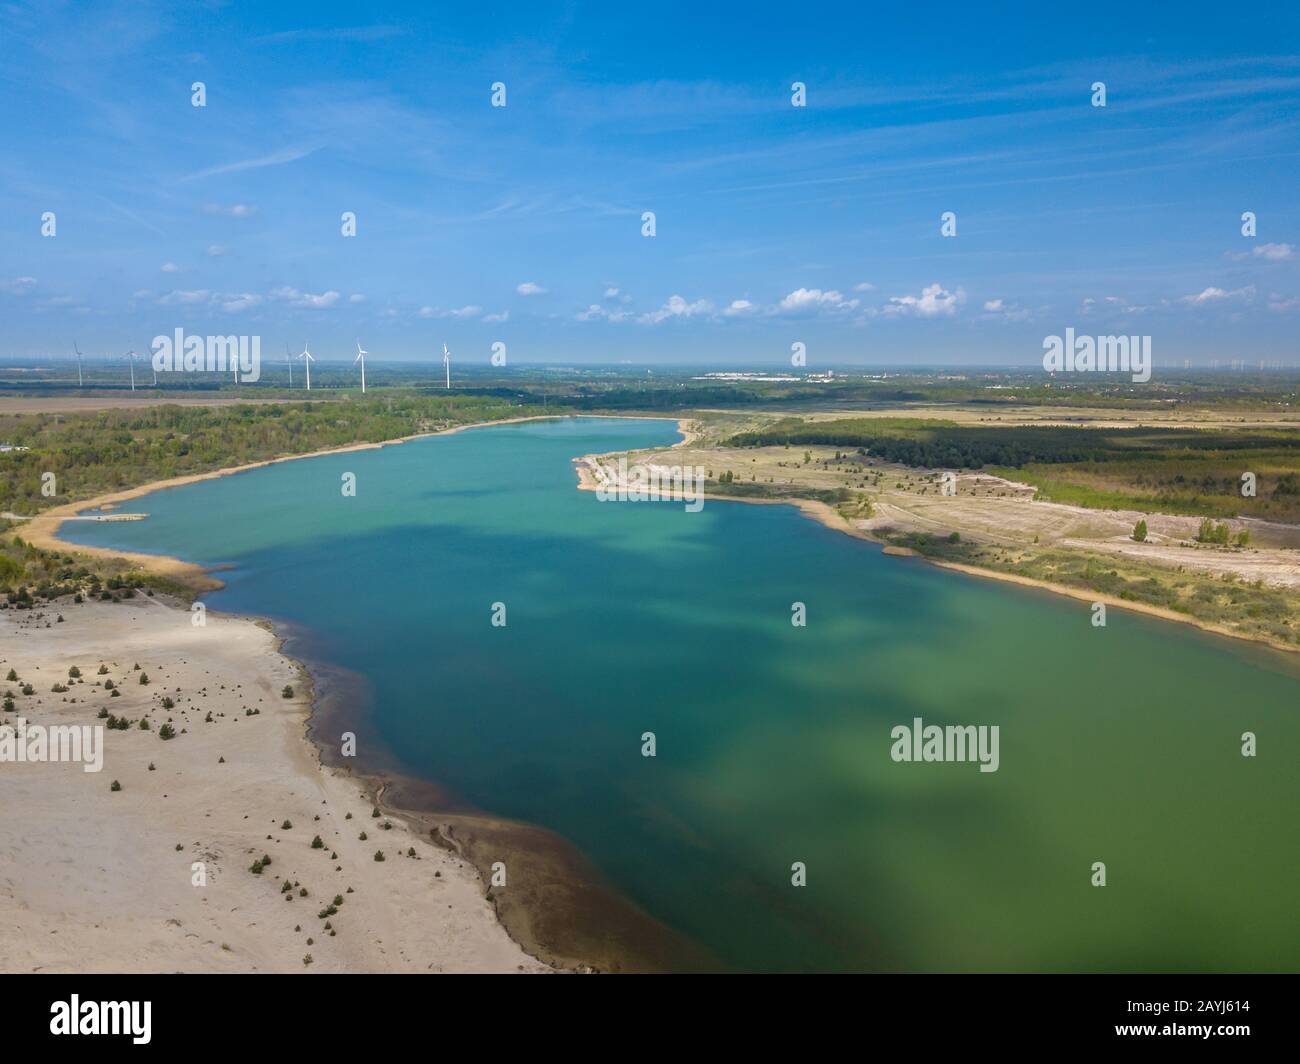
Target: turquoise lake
(1119, 744)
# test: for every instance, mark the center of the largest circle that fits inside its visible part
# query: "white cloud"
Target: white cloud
(19, 286)
(802, 300)
(306, 299)
(1279, 304)
(470, 311)
(596, 312)
(740, 307)
(934, 301)
(356, 297)
(677, 307)
(242, 301)
(216, 251)
(1001, 310)
(1274, 252)
(865, 286)
(235, 210)
(427, 312)
(493, 319)
(611, 292)
(1217, 295)
(170, 267)
(530, 288)
(185, 298)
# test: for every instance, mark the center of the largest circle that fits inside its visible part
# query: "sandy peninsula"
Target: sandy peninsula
(157, 875)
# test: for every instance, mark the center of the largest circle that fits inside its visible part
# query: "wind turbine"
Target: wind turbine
(288, 358)
(446, 363)
(130, 361)
(307, 361)
(78, 350)
(361, 357)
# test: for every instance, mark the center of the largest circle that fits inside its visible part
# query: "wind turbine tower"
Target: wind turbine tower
(307, 361)
(361, 357)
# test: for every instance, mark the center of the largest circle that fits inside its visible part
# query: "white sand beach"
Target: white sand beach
(97, 880)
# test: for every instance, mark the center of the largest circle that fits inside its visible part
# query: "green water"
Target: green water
(1119, 745)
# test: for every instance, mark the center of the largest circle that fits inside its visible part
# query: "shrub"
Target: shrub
(74, 673)
(1140, 532)
(166, 732)
(115, 786)
(379, 855)
(317, 844)
(287, 692)
(144, 679)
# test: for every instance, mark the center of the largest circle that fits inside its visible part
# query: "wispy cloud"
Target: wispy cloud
(277, 158)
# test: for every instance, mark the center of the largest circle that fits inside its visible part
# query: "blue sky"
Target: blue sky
(775, 224)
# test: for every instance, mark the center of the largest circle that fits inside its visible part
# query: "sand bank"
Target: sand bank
(156, 876)
(832, 518)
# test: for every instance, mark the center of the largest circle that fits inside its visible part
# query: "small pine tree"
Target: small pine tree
(1140, 532)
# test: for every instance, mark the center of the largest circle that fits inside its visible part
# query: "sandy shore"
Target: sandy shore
(558, 906)
(831, 518)
(95, 880)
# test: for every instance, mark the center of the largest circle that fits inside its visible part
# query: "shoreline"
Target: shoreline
(826, 515)
(152, 874)
(550, 925)
(558, 870)
(42, 529)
